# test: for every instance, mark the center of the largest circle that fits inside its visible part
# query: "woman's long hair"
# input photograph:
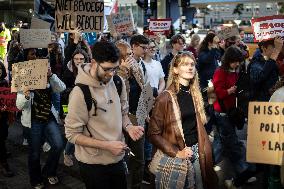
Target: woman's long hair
(173, 79)
(86, 57)
(204, 44)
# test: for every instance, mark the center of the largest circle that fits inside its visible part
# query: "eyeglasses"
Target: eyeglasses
(143, 47)
(78, 58)
(110, 70)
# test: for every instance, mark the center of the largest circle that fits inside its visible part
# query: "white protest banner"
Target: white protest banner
(145, 104)
(37, 23)
(120, 22)
(265, 141)
(35, 38)
(228, 32)
(86, 14)
(268, 27)
(160, 25)
(30, 74)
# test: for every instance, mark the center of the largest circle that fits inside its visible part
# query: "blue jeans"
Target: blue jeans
(38, 133)
(227, 143)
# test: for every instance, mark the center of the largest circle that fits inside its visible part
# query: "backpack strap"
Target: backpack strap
(118, 84)
(87, 95)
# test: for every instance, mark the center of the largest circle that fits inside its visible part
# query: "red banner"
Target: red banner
(7, 100)
(268, 27)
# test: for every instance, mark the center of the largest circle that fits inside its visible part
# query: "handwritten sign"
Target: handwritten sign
(160, 25)
(37, 23)
(120, 22)
(31, 74)
(86, 14)
(265, 142)
(145, 104)
(268, 27)
(8, 100)
(35, 38)
(228, 32)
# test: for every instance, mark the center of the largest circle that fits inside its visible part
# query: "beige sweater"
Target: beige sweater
(106, 126)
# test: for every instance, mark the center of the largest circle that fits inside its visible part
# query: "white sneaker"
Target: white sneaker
(25, 142)
(230, 185)
(46, 147)
(68, 160)
(217, 168)
(251, 180)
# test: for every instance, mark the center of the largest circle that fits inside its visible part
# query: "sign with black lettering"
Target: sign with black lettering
(35, 38)
(268, 27)
(228, 32)
(7, 100)
(120, 23)
(30, 74)
(160, 25)
(86, 14)
(265, 141)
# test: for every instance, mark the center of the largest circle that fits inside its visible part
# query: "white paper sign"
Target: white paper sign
(120, 22)
(268, 27)
(145, 104)
(30, 74)
(35, 38)
(37, 23)
(160, 25)
(86, 14)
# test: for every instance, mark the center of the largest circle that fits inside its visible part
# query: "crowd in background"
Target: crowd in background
(189, 126)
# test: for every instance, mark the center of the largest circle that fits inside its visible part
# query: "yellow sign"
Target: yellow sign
(265, 142)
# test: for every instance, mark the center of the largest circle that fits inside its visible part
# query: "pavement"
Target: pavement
(69, 176)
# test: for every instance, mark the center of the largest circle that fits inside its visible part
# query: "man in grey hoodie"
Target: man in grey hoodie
(97, 134)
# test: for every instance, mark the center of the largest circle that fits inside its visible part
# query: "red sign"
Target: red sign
(7, 100)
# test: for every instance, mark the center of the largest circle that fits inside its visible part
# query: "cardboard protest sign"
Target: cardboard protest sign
(8, 100)
(86, 14)
(37, 23)
(160, 25)
(265, 142)
(145, 104)
(30, 74)
(268, 27)
(120, 22)
(228, 32)
(35, 38)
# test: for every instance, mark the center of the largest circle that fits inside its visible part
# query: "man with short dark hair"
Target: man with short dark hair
(177, 43)
(97, 134)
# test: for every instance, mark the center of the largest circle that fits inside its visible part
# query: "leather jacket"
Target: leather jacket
(164, 134)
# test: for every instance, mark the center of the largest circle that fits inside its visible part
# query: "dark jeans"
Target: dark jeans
(103, 176)
(227, 143)
(39, 132)
(136, 163)
(69, 148)
(4, 126)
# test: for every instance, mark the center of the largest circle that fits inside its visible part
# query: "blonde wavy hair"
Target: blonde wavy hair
(173, 79)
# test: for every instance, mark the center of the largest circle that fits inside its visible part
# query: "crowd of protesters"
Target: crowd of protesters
(93, 92)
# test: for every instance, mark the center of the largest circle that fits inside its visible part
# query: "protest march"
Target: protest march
(89, 92)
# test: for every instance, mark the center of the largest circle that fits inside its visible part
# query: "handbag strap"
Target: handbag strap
(179, 124)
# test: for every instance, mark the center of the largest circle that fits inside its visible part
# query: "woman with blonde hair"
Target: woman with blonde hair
(177, 130)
